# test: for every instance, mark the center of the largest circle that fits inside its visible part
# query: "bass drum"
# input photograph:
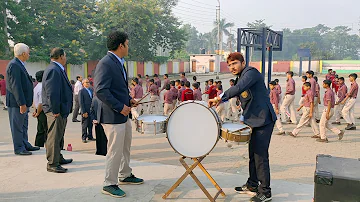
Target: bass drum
(193, 129)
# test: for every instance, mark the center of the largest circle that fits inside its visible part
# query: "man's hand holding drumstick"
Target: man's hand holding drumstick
(214, 102)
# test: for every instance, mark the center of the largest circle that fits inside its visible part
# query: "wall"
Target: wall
(340, 66)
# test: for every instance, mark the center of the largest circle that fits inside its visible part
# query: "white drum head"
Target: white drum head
(231, 127)
(152, 118)
(193, 129)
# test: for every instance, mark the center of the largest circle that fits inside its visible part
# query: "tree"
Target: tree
(224, 26)
(258, 24)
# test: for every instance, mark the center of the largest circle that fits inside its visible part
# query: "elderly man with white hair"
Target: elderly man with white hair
(19, 94)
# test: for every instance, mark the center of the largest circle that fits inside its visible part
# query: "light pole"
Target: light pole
(218, 39)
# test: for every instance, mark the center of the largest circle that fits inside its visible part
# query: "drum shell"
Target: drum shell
(150, 127)
(241, 135)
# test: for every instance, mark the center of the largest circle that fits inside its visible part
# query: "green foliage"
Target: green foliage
(81, 27)
(160, 59)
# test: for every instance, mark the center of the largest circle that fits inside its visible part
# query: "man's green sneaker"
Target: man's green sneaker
(114, 191)
(131, 180)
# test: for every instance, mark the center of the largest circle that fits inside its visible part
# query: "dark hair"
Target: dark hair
(72, 82)
(290, 73)
(183, 73)
(198, 83)
(136, 80)
(147, 75)
(276, 80)
(353, 75)
(182, 83)
(219, 87)
(172, 83)
(207, 81)
(1, 76)
(116, 38)
(155, 75)
(329, 70)
(304, 77)
(139, 75)
(235, 56)
(273, 83)
(219, 82)
(167, 87)
(195, 85)
(310, 72)
(194, 78)
(77, 77)
(327, 82)
(39, 76)
(89, 75)
(316, 79)
(177, 81)
(342, 78)
(56, 53)
(232, 80)
(151, 80)
(187, 84)
(336, 76)
(307, 84)
(211, 80)
(167, 76)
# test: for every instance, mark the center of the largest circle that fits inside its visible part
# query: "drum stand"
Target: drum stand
(189, 171)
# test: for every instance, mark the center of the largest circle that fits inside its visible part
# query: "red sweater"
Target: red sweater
(187, 94)
(212, 92)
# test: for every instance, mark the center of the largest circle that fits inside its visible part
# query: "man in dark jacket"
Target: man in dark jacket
(85, 99)
(19, 97)
(57, 100)
(260, 116)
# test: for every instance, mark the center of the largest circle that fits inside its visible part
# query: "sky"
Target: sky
(293, 14)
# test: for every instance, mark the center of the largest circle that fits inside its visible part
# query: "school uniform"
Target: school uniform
(316, 103)
(206, 96)
(174, 92)
(181, 89)
(349, 108)
(157, 81)
(187, 94)
(303, 93)
(154, 96)
(220, 109)
(308, 99)
(197, 94)
(278, 88)
(140, 82)
(168, 102)
(136, 93)
(341, 94)
(324, 122)
(288, 101)
(274, 100)
(211, 92)
(232, 110)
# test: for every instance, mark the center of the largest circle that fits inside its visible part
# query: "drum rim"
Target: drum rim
(218, 124)
(142, 121)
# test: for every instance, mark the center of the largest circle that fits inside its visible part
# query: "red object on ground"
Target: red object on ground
(69, 147)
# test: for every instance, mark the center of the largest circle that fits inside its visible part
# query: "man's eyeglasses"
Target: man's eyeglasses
(233, 64)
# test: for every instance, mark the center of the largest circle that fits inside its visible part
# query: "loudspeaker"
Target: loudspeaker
(336, 179)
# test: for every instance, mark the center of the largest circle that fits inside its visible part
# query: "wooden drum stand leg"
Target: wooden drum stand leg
(189, 171)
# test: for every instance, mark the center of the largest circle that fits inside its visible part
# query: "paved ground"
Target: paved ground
(291, 159)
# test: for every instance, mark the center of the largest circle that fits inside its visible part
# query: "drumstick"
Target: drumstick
(143, 97)
(146, 102)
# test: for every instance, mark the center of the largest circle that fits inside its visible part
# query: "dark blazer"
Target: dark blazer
(95, 110)
(19, 86)
(111, 87)
(57, 94)
(85, 100)
(254, 98)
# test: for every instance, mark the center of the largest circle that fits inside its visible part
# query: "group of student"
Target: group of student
(337, 100)
(177, 91)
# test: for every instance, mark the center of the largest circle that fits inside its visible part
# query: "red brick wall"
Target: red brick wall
(140, 68)
(224, 67)
(156, 68)
(3, 64)
(91, 66)
(170, 67)
(182, 69)
(281, 66)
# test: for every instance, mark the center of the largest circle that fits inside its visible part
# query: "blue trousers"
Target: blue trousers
(259, 168)
(19, 129)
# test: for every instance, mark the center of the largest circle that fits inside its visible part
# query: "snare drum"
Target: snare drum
(235, 132)
(151, 124)
(193, 129)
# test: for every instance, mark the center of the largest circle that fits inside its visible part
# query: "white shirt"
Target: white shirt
(37, 95)
(62, 67)
(78, 87)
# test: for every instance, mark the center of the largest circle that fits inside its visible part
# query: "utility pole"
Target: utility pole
(218, 39)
